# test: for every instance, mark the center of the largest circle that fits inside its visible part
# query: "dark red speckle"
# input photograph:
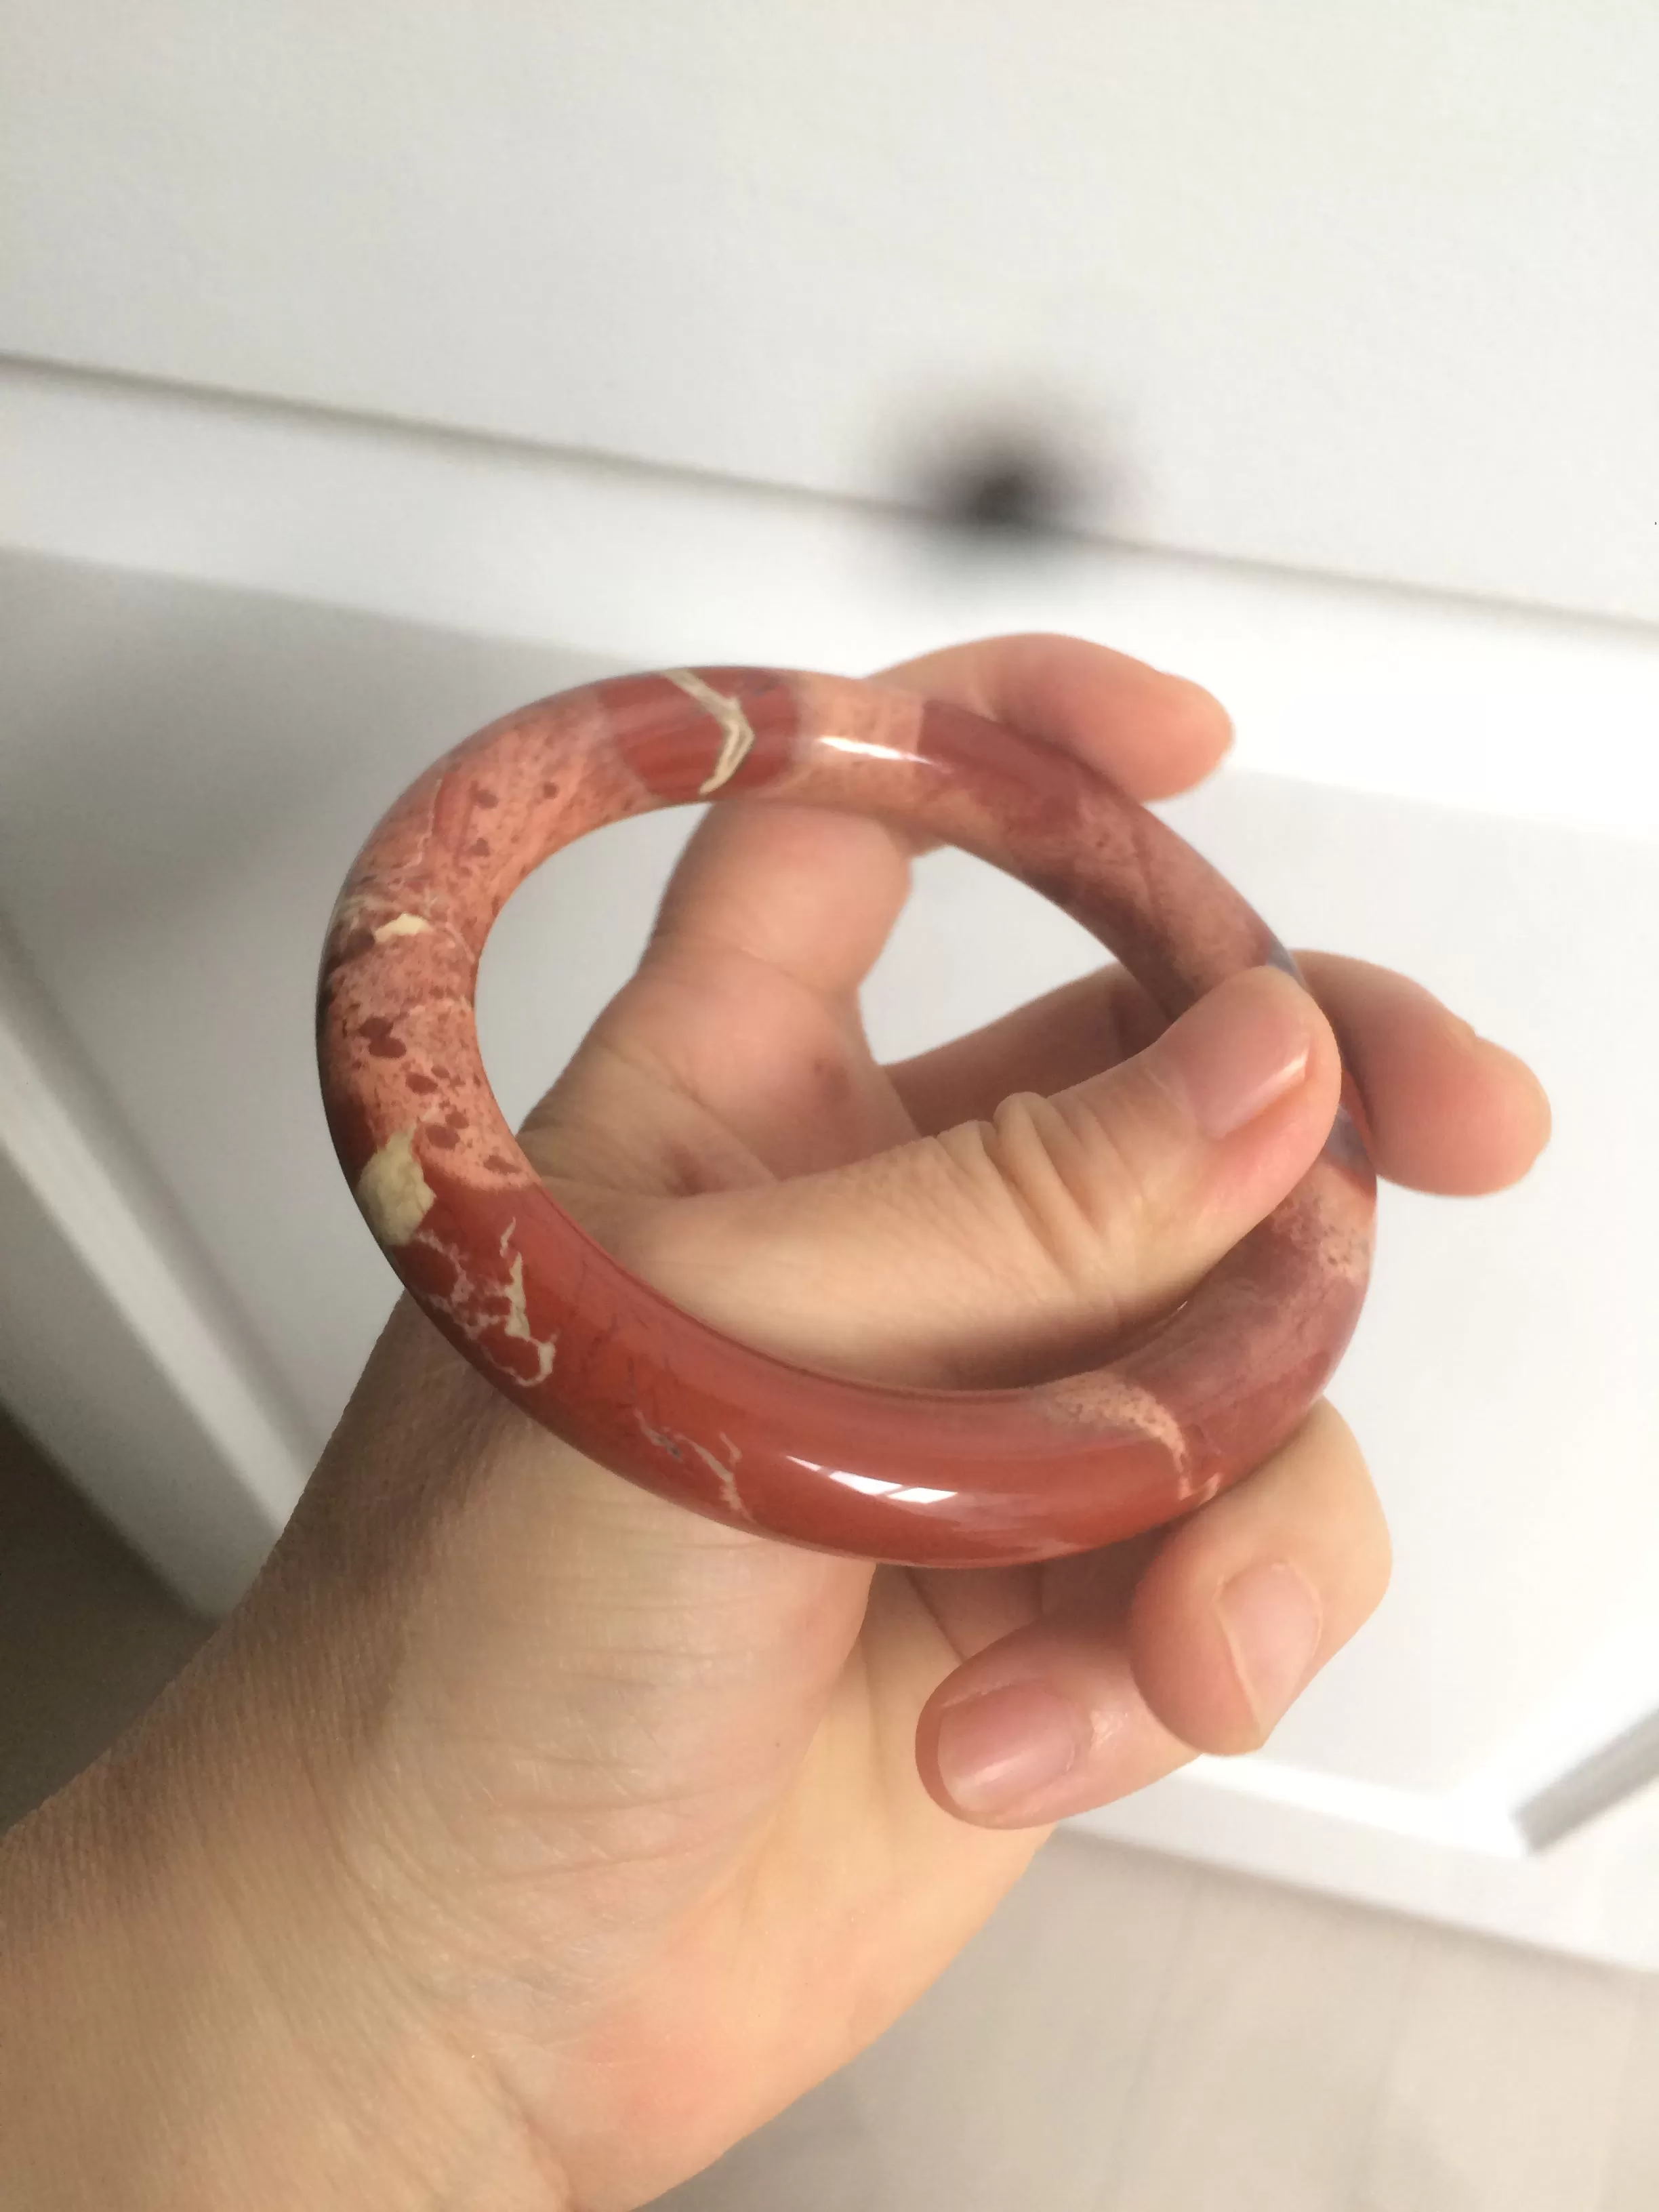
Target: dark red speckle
(382, 1045)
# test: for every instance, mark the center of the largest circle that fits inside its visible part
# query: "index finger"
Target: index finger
(814, 894)
(1449, 1111)
(1151, 733)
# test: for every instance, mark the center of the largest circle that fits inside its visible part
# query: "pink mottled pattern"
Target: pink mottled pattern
(968, 1478)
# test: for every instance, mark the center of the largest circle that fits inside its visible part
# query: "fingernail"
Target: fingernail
(1239, 1048)
(1273, 1622)
(998, 1748)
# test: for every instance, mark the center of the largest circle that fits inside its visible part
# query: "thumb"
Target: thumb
(1006, 1249)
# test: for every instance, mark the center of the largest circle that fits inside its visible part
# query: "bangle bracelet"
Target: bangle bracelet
(1186, 1406)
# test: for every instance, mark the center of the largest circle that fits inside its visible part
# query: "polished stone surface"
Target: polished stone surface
(949, 1479)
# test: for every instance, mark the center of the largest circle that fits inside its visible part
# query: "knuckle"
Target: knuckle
(1062, 1176)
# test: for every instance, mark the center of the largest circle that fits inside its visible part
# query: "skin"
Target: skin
(524, 1840)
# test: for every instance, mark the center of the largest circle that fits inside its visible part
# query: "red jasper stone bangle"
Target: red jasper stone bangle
(952, 1479)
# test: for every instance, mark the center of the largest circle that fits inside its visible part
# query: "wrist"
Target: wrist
(195, 2011)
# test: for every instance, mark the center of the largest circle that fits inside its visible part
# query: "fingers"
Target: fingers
(815, 893)
(1449, 1111)
(746, 1003)
(1049, 1045)
(1048, 1724)
(1242, 1604)
(1011, 1247)
(1237, 1610)
(1152, 733)
(809, 894)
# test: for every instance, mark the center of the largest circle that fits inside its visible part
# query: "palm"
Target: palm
(826, 1887)
(715, 1069)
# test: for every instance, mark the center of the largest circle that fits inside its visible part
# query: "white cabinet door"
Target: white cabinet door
(1363, 288)
(186, 770)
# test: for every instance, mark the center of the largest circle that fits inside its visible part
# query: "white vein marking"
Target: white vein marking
(351, 907)
(663, 1438)
(518, 1323)
(736, 735)
(1103, 1393)
(403, 925)
(677, 1446)
(393, 1193)
(724, 1476)
(463, 1305)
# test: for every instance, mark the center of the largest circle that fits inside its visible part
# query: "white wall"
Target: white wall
(1365, 286)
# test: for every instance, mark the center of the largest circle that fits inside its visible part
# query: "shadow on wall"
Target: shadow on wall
(87, 1636)
(164, 739)
(187, 774)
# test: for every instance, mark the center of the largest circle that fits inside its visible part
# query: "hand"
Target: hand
(620, 1827)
